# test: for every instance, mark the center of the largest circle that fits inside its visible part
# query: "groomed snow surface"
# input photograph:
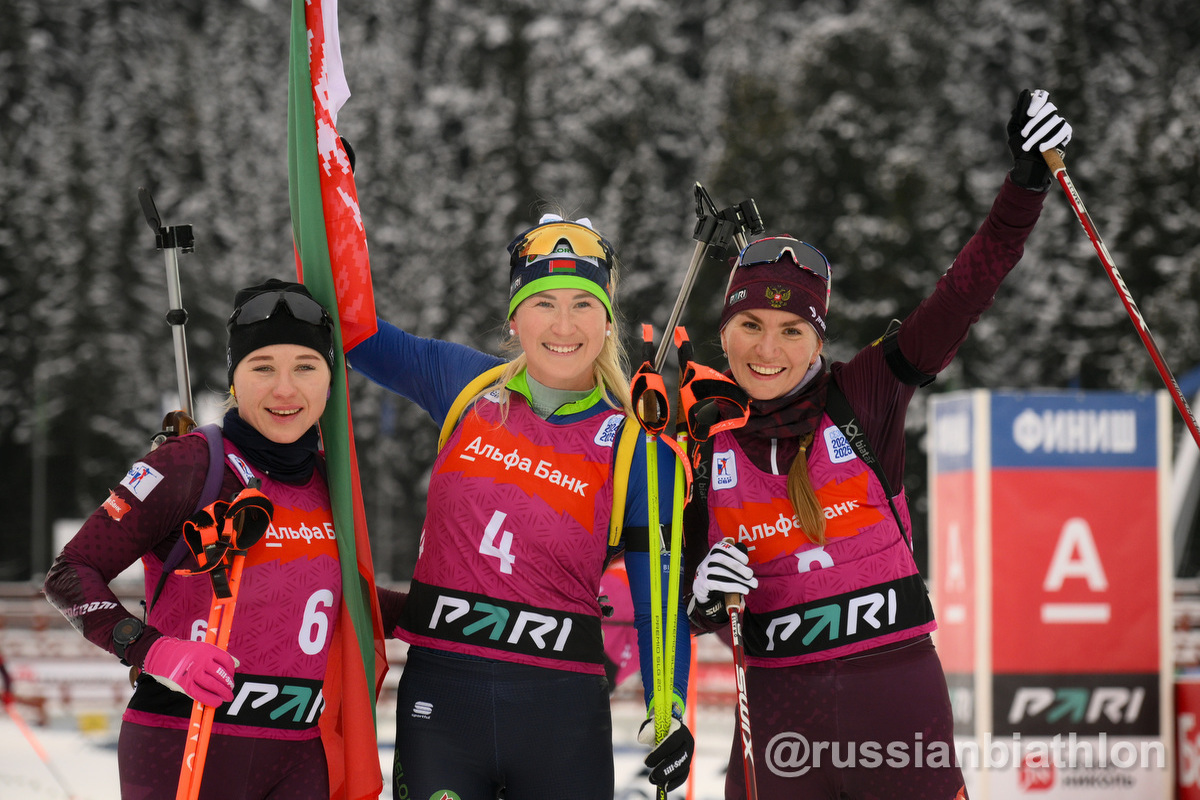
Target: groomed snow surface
(84, 691)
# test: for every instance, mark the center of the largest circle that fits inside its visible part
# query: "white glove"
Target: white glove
(1034, 128)
(1044, 129)
(726, 569)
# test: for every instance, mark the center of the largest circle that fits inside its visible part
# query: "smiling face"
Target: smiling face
(562, 332)
(281, 390)
(769, 351)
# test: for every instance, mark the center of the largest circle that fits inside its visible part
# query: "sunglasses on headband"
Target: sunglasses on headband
(263, 307)
(773, 248)
(544, 239)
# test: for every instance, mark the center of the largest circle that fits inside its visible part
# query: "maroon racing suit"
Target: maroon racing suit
(840, 664)
(266, 742)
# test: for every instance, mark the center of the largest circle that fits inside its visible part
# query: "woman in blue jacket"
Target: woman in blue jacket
(504, 687)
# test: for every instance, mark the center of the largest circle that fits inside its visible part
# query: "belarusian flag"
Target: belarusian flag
(330, 240)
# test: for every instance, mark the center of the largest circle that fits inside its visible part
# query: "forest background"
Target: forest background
(872, 129)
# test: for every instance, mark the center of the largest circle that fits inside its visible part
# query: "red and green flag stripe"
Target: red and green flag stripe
(332, 261)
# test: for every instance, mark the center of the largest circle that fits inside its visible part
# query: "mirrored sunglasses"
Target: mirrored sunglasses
(543, 241)
(773, 249)
(263, 307)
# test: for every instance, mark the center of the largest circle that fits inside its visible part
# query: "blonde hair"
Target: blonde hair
(609, 370)
(804, 500)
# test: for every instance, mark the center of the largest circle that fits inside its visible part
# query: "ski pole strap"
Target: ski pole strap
(251, 513)
(651, 406)
(648, 392)
(203, 535)
(222, 530)
(699, 386)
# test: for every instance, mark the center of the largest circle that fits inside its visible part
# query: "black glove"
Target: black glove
(726, 569)
(1033, 128)
(671, 760)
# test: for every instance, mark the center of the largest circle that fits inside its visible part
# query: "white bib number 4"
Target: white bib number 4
(502, 551)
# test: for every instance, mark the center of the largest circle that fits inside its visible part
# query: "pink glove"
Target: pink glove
(200, 670)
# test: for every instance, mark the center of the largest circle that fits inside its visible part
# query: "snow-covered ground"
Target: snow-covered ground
(82, 756)
(84, 691)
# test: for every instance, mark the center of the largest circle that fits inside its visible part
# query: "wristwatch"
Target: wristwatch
(127, 631)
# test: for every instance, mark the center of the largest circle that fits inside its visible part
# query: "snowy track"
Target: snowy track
(87, 760)
(83, 692)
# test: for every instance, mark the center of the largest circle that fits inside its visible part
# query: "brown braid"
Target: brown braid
(804, 499)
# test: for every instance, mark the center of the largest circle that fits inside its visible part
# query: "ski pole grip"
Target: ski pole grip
(1053, 160)
(732, 599)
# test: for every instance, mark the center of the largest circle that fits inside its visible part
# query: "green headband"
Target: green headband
(542, 280)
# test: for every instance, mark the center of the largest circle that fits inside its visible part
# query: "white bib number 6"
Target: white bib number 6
(503, 551)
(315, 626)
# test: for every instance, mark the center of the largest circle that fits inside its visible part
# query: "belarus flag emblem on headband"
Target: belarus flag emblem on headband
(559, 265)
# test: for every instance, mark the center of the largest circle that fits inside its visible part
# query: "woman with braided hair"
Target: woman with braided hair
(847, 697)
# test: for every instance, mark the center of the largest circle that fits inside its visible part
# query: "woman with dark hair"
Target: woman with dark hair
(268, 687)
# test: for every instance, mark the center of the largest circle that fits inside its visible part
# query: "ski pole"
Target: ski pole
(220, 621)
(683, 492)
(733, 603)
(10, 707)
(681, 487)
(691, 717)
(649, 400)
(699, 386)
(220, 549)
(172, 241)
(1055, 162)
(713, 232)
